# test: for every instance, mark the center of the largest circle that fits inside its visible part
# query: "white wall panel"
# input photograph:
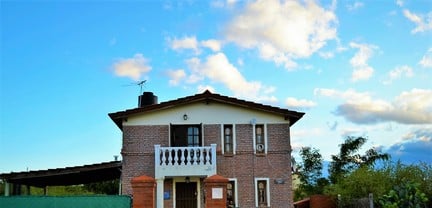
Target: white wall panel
(212, 113)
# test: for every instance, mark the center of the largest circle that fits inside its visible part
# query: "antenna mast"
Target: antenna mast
(141, 83)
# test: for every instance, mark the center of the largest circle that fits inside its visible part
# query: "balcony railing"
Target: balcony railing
(185, 161)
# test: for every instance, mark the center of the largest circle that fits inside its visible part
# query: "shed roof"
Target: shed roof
(66, 176)
(207, 97)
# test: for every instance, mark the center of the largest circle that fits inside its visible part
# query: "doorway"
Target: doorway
(186, 136)
(186, 195)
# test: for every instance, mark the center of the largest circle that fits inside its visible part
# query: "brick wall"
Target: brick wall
(245, 166)
(138, 151)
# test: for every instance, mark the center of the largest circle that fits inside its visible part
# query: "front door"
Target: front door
(186, 195)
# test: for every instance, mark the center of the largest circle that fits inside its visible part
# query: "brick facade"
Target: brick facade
(245, 166)
(138, 151)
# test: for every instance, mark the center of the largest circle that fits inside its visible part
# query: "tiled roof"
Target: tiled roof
(207, 96)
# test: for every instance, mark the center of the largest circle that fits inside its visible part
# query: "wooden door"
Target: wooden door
(186, 195)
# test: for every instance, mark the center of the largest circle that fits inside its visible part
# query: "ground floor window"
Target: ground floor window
(262, 194)
(232, 193)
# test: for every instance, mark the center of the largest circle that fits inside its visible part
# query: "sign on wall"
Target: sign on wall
(217, 193)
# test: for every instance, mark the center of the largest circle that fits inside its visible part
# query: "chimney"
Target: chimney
(147, 98)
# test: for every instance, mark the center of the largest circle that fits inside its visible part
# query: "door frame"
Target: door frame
(192, 180)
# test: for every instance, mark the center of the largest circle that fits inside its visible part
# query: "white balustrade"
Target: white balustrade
(178, 161)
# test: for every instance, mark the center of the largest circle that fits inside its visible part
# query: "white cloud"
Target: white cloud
(423, 22)
(421, 134)
(362, 70)
(223, 3)
(133, 67)
(240, 62)
(400, 3)
(299, 103)
(217, 68)
(176, 76)
(281, 36)
(426, 61)
(190, 43)
(356, 5)
(326, 55)
(214, 45)
(203, 88)
(410, 107)
(398, 72)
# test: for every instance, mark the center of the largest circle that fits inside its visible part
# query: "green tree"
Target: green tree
(420, 174)
(104, 187)
(381, 181)
(310, 173)
(406, 195)
(360, 183)
(349, 159)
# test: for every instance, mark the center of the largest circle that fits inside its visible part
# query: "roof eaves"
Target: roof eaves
(293, 116)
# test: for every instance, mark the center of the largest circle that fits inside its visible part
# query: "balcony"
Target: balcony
(185, 161)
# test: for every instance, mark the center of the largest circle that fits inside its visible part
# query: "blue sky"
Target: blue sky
(359, 68)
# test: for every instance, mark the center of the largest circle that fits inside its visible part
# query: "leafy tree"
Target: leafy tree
(104, 187)
(310, 173)
(420, 174)
(406, 195)
(360, 183)
(349, 160)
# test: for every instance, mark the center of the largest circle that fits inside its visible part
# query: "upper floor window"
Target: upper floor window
(260, 139)
(193, 136)
(185, 135)
(228, 139)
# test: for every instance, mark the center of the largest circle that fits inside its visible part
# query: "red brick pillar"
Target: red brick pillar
(143, 189)
(215, 191)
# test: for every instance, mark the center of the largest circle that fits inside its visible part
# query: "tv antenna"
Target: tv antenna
(139, 83)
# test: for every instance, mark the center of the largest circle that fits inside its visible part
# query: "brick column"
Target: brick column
(215, 191)
(143, 189)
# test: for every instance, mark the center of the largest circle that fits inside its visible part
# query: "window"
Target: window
(228, 139)
(260, 139)
(193, 136)
(232, 194)
(185, 135)
(262, 194)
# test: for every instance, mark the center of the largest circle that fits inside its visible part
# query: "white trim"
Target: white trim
(267, 190)
(253, 138)
(265, 137)
(169, 135)
(202, 134)
(222, 138)
(193, 180)
(233, 137)
(235, 191)
(160, 183)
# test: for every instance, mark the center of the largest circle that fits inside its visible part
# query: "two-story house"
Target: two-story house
(183, 141)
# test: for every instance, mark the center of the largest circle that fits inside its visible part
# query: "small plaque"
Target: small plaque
(279, 181)
(217, 193)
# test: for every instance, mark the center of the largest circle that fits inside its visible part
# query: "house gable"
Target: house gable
(199, 105)
(206, 113)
